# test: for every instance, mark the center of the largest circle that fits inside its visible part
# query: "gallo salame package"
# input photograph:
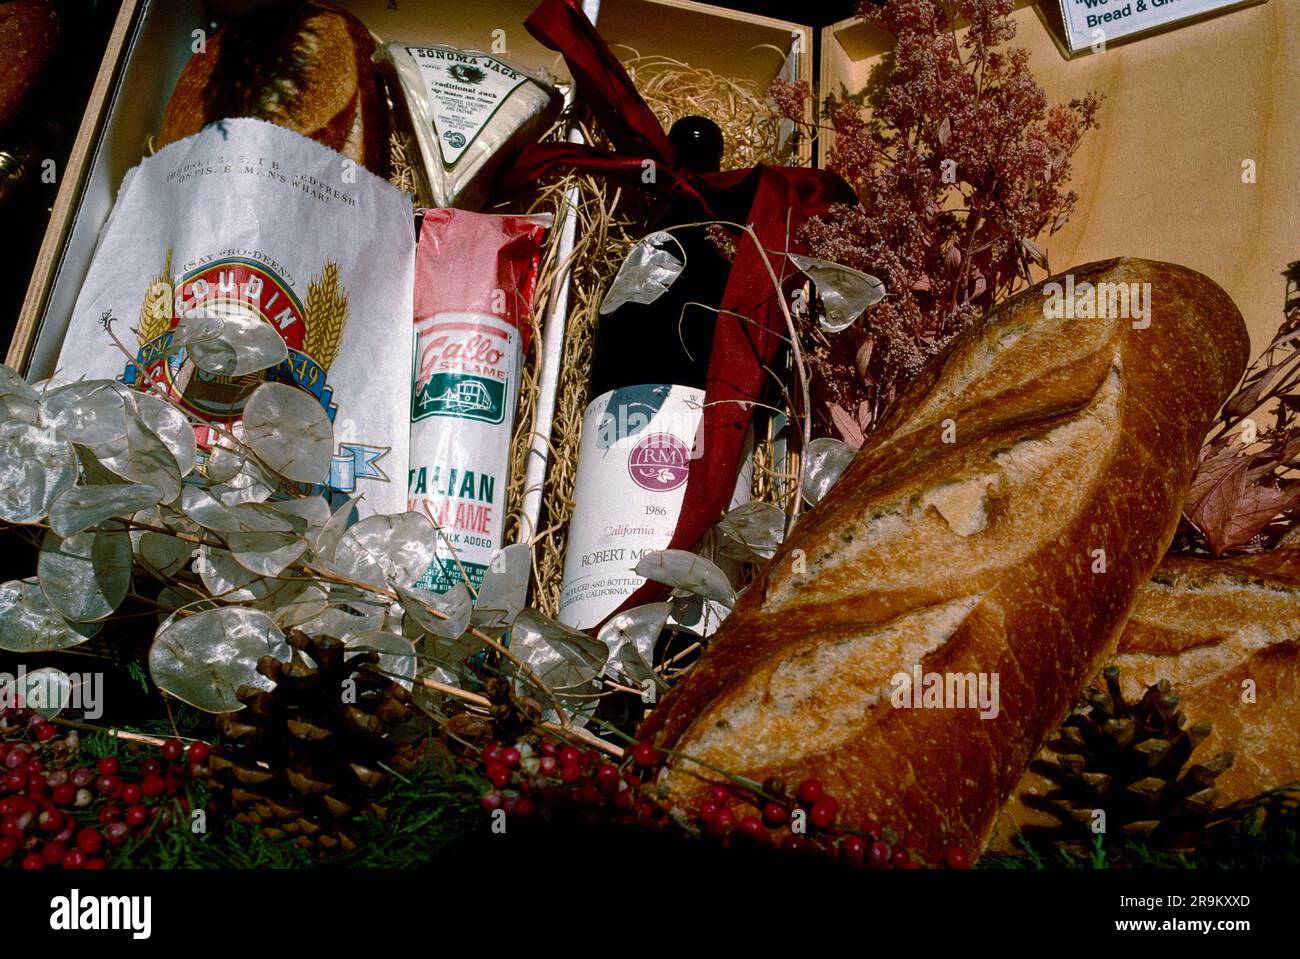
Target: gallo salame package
(252, 222)
(476, 274)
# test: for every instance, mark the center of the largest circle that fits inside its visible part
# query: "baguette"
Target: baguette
(1208, 627)
(965, 539)
(302, 65)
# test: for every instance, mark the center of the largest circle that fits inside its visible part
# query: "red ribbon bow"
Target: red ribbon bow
(775, 201)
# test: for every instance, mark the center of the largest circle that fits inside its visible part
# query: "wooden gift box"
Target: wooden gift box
(1163, 176)
(151, 42)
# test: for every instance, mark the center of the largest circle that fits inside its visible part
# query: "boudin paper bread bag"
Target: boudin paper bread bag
(254, 222)
(998, 528)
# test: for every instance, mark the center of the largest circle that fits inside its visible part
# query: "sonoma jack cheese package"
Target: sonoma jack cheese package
(468, 112)
(475, 276)
(249, 219)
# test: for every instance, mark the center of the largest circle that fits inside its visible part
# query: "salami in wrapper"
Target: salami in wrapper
(475, 275)
(253, 222)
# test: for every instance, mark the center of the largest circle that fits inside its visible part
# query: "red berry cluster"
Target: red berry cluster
(807, 822)
(540, 776)
(58, 812)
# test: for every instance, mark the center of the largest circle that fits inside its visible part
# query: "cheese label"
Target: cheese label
(464, 91)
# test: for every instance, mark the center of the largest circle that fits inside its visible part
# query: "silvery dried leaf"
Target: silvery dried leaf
(88, 412)
(228, 580)
(266, 553)
(823, 462)
(636, 670)
(646, 273)
(225, 458)
(16, 407)
(312, 510)
(86, 576)
(46, 690)
(170, 425)
(204, 658)
(681, 569)
(567, 680)
(450, 653)
(162, 554)
(233, 473)
(383, 550)
(251, 484)
(36, 465)
(756, 528)
(143, 456)
(638, 627)
(528, 640)
(93, 472)
(845, 293)
(579, 701)
(175, 597)
(306, 606)
(396, 654)
(687, 610)
(341, 623)
(455, 607)
(82, 507)
(12, 383)
(228, 340)
(28, 624)
(269, 552)
(212, 514)
(51, 383)
(290, 431)
(547, 645)
(18, 401)
(430, 700)
(328, 540)
(505, 584)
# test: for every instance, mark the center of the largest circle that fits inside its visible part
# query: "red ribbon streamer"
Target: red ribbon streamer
(774, 201)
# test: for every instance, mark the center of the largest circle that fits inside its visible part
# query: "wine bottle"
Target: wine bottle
(641, 428)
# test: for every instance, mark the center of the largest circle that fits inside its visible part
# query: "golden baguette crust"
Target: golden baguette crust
(302, 65)
(974, 556)
(1208, 626)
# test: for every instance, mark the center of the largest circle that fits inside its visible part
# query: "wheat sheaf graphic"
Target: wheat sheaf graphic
(326, 316)
(156, 310)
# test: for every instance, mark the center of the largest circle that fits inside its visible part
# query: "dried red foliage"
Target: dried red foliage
(960, 165)
(1244, 495)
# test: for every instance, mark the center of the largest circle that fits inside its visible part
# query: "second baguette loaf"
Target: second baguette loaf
(999, 525)
(1208, 627)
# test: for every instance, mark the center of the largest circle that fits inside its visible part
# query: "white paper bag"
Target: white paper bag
(249, 217)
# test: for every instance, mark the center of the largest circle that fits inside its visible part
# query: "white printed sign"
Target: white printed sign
(1094, 23)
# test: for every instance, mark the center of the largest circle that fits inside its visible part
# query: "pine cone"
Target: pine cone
(1128, 760)
(309, 756)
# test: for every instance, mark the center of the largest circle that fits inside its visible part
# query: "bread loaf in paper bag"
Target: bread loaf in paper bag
(249, 220)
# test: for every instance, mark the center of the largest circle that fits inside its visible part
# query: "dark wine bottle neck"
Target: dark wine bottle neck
(669, 340)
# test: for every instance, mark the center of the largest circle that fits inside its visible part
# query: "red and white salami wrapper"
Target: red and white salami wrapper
(475, 275)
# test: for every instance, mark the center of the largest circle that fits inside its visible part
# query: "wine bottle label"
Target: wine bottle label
(464, 89)
(464, 388)
(637, 446)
